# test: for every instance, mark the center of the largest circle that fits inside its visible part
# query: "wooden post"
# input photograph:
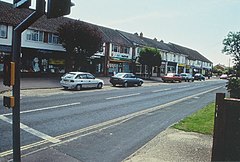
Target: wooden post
(219, 129)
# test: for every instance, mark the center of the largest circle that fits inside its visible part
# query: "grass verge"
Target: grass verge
(201, 122)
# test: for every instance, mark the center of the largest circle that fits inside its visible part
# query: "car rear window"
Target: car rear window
(119, 75)
(69, 75)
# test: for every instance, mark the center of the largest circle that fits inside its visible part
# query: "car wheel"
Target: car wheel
(78, 87)
(125, 84)
(100, 85)
(65, 88)
(140, 83)
(114, 85)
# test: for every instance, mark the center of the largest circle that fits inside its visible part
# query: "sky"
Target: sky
(197, 24)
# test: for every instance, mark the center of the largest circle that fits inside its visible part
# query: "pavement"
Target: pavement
(170, 145)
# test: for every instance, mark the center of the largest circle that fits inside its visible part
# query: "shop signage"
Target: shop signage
(5, 48)
(181, 65)
(121, 56)
(56, 62)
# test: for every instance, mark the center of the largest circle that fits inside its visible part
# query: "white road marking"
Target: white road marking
(105, 124)
(161, 90)
(46, 108)
(134, 94)
(32, 131)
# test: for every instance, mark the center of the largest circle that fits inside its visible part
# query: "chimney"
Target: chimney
(155, 39)
(136, 34)
(141, 35)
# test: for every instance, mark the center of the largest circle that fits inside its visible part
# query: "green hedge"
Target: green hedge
(233, 86)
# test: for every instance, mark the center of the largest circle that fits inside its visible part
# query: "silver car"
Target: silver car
(79, 80)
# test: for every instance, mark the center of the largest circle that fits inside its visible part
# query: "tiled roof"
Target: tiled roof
(114, 37)
(13, 16)
(135, 39)
(143, 41)
(158, 44)
(191, 54)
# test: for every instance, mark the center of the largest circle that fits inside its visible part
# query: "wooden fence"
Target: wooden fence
(226, 136)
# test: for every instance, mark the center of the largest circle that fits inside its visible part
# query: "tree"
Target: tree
(150, 57)
(81, 41)
(232, 47)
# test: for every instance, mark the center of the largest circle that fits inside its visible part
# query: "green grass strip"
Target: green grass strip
(201, 122)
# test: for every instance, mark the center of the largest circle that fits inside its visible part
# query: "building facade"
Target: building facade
(42, 52)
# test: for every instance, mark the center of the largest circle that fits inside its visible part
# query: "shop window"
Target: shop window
(3, 31)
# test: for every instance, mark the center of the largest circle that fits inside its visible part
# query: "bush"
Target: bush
(233, 86)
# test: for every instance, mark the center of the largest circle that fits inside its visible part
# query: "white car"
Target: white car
(79, 80)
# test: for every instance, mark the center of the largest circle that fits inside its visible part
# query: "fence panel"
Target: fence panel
(226, 137)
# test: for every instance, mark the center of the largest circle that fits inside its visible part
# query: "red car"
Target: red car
(172, 77)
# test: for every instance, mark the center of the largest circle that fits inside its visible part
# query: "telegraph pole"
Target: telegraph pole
(56, 8)
(40, 10)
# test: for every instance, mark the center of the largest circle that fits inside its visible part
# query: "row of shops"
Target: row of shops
(53, 62)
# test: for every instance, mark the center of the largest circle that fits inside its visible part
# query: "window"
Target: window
(115, 48)
(3, 31)
(126, 50)
(53, 38)
(35, 35)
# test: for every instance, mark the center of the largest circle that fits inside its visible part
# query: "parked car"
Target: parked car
(79, 80)
(224, 76)
(125, 79)
(187, 77)
(199, 77)
(172, 77)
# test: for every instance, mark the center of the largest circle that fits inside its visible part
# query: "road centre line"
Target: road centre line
(161, 90)
(32, 131)
(107, 123)
(134, 94)
(46, 108)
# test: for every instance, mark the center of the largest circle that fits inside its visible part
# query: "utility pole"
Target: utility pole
(40, 10)
(56, 8)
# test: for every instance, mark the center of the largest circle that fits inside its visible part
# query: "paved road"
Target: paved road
(104, 125)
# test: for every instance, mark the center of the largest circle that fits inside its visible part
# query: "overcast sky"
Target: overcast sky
(197, 24)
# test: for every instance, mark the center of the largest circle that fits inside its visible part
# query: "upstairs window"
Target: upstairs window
(115, 48)
(35, 35)
(126, 50)
(53, 38)
(3, 31)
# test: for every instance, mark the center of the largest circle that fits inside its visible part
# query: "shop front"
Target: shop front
(181, 68)
(171, 67)
(4, 50)
(119, 62)
(42, 61)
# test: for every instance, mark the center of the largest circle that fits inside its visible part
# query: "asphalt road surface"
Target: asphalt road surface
(103, 125)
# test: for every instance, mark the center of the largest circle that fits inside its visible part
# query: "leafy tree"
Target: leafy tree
(81, 41)
(232, 47)
(150, 57)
